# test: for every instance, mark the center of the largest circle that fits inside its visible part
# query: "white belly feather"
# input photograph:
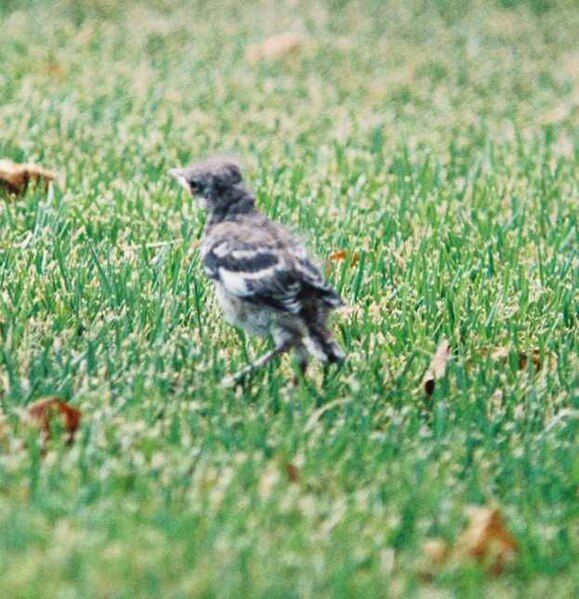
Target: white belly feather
(257, 320)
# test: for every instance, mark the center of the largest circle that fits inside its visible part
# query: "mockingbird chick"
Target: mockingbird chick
(264, 278)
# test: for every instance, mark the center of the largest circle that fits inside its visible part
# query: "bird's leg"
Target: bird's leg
(303, 361)
(239, 376)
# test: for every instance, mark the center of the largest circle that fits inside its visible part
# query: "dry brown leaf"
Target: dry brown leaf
(535, 359)
(338, 256)
(437, 368)
(14, 178)
(341, 255)
(278, 46)
(487, 539)
(293, 472)
(502, 354)
(44, 411)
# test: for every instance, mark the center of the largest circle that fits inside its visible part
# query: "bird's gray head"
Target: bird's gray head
(217, 184)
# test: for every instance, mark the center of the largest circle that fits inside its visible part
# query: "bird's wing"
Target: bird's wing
(312, 277)
(256, 273)
(266, 274)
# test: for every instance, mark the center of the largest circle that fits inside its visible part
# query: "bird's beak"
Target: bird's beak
(179, 175)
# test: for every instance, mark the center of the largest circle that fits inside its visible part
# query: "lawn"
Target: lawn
(428, 152)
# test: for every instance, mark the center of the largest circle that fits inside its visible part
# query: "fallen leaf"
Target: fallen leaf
(437, 368)
(502, 354)
(275, 47)
(338, 256)
(44, 411)
(14, 178)
(293, 472)
(535, 359)
(487, 540)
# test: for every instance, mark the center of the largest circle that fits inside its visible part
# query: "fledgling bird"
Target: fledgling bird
(264, 278)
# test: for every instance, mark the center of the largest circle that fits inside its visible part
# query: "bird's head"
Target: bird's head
(216, 183)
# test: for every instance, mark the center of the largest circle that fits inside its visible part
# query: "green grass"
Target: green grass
(438, 140)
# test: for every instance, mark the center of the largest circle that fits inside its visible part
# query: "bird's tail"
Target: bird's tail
(320, 343)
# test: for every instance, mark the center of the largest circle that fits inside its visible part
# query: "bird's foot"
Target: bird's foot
(233, 380)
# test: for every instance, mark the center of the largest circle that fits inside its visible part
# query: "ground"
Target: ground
(430, 149)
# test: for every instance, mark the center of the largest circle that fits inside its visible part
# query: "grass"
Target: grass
(434, 141)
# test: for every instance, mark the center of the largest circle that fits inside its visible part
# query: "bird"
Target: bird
(265, 280)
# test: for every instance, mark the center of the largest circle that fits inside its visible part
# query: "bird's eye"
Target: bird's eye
(194, 185)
